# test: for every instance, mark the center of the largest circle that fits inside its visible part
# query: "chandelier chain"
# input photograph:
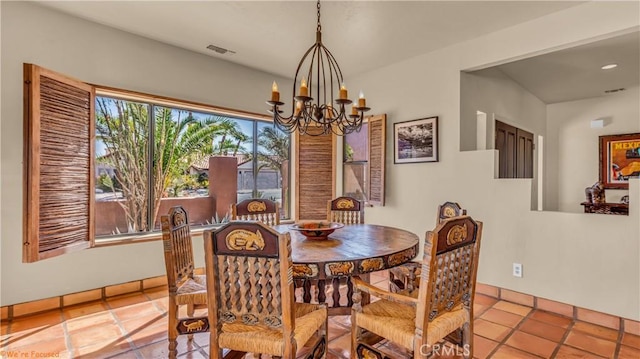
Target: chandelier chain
(319, 25)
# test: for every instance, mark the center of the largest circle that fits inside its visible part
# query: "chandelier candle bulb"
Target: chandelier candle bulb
(361, 100)
(354, 110)
(343, 92)
(304, 90)
(275, 95)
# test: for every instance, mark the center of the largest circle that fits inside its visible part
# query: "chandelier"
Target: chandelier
(326, 114)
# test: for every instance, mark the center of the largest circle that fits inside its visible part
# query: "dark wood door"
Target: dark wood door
(515, 149)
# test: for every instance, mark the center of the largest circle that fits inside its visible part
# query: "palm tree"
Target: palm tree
(273, 152)
(273, 148)
(179, 139)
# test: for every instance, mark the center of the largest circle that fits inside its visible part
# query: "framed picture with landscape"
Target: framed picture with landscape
(416, 140)
(619, 159)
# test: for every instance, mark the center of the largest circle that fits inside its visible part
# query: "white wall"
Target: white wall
(104, 56)
(496, 94)
(572, 145)
(587, 260)
(591, 261)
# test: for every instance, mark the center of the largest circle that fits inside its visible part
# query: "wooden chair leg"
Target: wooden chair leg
(467, 341)
(190, 310)
(356, 332)
(173, 329)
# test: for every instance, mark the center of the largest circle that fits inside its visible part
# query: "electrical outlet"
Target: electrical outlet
(517, 270)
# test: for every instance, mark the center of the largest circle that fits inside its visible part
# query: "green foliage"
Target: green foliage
(348, 152)
(179, 140)
(217, 220)
(104, 182)
(273, 147)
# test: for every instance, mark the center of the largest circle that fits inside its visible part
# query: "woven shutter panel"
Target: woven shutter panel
(377, 146)
(58, 164)
(316, 175)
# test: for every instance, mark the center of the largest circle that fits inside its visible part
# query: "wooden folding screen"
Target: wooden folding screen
(59, 136)
(377, 140)
(315, 167)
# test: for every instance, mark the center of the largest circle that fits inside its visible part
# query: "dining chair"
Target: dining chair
(444, 303)
(185, 287)
(256, 209)
(346, 210)
(251, 300)
(406, 278)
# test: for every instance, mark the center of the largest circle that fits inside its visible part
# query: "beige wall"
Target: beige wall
(587, 260)
(572, 145)
(591, 261)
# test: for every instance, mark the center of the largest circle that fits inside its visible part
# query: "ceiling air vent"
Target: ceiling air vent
(219, 50)
(615, 90)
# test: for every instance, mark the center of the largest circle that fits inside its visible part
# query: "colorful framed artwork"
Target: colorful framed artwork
(416, 140)
(619, 159)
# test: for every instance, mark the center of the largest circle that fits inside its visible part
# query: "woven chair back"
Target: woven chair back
(449, 210)
(449, 267)
(256, 209)
(249, 275)
(345, 210)
(178, 250)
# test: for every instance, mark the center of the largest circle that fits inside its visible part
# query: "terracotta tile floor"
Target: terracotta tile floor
(134, 326)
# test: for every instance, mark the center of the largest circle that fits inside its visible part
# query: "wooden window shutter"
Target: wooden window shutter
(377, 142)
(59, 178)
(316, 175)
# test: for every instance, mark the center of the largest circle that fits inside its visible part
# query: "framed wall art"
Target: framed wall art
(416, 140)
(619, 159)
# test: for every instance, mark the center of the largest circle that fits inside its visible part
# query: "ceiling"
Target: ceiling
(272, 36)
(576, 73)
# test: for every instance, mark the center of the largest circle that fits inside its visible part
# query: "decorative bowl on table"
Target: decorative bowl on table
(316, 229)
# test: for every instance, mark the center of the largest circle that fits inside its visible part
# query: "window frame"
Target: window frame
(154, 101)
(376, 131)
(32, 236)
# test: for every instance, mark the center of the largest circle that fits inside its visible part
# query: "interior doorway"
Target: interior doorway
(515, 147)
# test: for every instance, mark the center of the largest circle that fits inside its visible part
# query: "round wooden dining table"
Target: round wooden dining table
(322, 267)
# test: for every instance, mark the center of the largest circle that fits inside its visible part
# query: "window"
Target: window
(132, 192)
(108, 166)
(364, 160)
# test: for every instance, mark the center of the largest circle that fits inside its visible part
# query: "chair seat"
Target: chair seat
(266, 340)
(396, 322)
(192, 291)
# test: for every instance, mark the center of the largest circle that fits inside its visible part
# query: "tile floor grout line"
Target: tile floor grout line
(123, 330)
(67, 336)
(591, 335)
(616, 352)
(564, 337)
(513, 330)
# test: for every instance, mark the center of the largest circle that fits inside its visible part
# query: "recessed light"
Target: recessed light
(609, 66)
(614, 90)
